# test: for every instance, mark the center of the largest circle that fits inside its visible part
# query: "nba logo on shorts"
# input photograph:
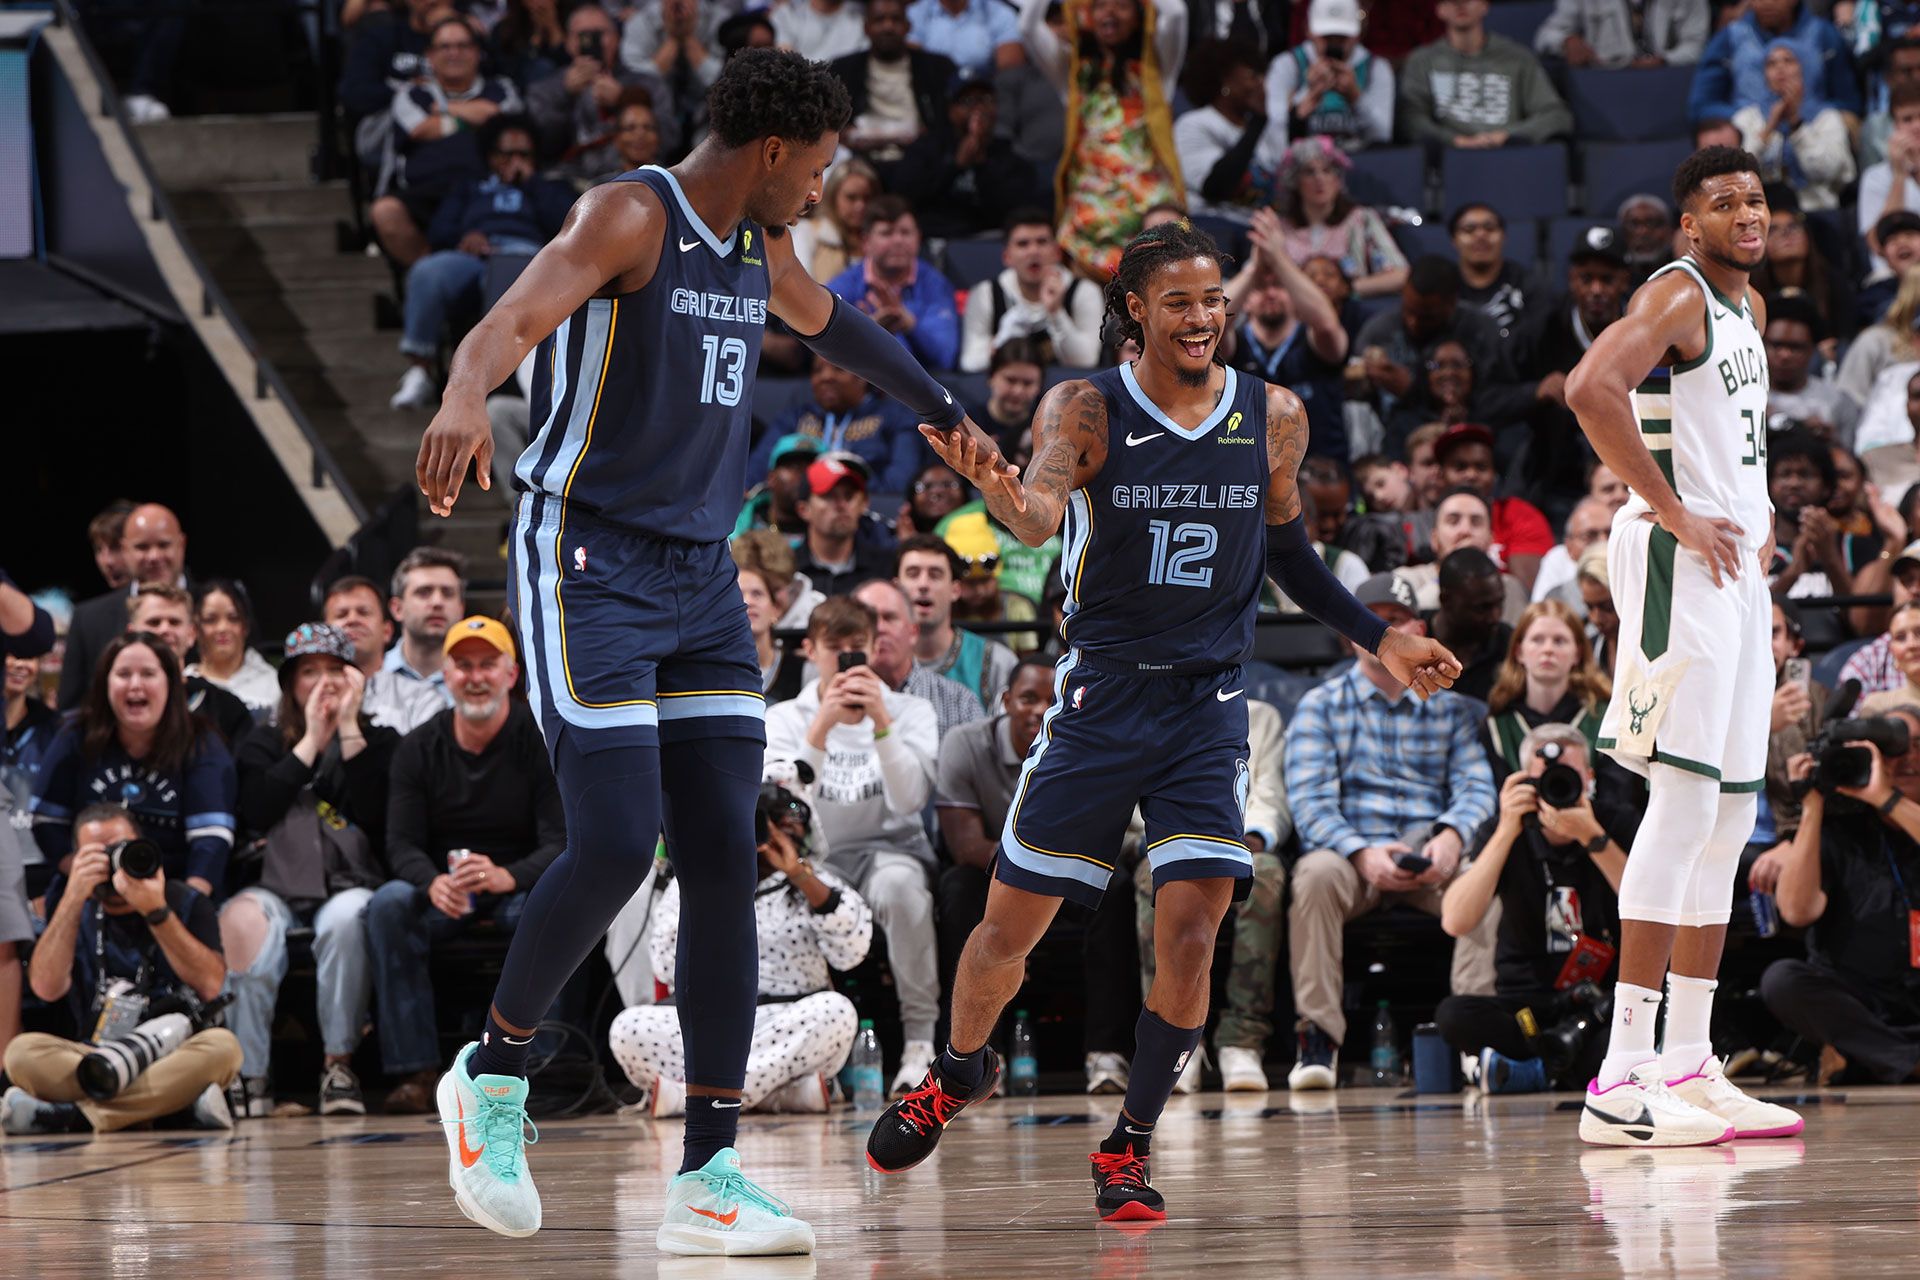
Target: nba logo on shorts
(1078, 694)
(579, 559)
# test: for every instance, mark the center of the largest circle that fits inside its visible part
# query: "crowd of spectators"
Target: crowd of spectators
(1446, 483)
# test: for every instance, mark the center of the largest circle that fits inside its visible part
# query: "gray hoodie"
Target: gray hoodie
(867, 793)
(1445, 94)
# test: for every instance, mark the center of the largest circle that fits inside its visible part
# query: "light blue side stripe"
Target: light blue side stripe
(1154, 411)
(1079, 533)
(641, 713)
(1010, 846)
(593, 356)
(530, 457)
(524, 606)
(1186, 850)
(1042, 864)
(715, 243)
(712, 704)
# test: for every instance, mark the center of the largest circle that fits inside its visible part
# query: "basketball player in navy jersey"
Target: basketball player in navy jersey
(1164, 471)
(645, 315)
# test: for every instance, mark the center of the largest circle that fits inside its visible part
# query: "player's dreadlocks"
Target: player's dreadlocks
(1145, 254)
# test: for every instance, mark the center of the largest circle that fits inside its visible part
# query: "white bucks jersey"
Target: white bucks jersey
(1705, 420)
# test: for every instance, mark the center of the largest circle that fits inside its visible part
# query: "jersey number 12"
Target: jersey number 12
(1176, 550)
(731, 380)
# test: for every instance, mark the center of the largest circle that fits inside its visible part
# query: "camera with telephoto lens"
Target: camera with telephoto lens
(115, 1064)
(778, 806)
(1835, 763)
(1559, 785)
(1564, 1028)
(140, 859)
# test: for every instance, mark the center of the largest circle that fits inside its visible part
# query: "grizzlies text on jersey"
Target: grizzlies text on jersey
(623, 590)
(1165, 554)
(1165, 548)
(641, 401)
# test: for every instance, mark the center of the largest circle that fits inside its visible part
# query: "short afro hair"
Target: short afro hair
(775, 93)
(1798, 442)
(1709, 162)
(1145, 254)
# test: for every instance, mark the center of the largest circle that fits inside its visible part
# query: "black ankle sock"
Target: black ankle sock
(964, 1068)
(1128, 1132)
(712, 1125)
(500, 1053)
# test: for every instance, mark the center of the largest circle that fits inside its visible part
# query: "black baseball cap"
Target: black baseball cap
(1598, 243)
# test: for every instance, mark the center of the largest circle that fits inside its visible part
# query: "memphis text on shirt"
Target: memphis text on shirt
(719, 306)
(847, 777)
(1201, 497)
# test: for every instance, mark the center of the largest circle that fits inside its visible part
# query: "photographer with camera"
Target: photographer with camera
(1553, 856)
(1852, 875)
(123, 941)
(809, 921)
(872, 752)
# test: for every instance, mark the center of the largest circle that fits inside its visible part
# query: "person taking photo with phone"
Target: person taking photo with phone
(1552, 858)
(872, 752)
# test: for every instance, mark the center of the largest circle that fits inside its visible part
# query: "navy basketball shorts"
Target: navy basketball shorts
(629, 639)
(1176, 745)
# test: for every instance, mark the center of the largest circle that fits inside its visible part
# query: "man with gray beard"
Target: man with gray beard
(473, 779)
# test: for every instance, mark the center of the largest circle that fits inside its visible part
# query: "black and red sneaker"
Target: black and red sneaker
(1120, 1188)
(907, 1132)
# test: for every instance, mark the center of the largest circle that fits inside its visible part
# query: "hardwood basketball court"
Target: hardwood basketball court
(1361, 1183)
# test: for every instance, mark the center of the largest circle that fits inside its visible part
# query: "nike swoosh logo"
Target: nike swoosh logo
(1224, 696)
(468, 1155)
(687, 244)
(724, 1219)
(1139, 1133)
(947, 395)
(734, 1103)
(1644, 1118)
(1133, 439)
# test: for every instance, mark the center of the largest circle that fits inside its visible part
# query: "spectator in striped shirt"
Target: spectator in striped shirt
(1377, 778)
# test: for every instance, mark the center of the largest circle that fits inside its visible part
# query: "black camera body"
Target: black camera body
(778, 805)
(1559, 785)
(1835, 764)
(1565, 1026)
(140, 859)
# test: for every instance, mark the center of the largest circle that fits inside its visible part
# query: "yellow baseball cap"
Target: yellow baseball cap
(480, 627)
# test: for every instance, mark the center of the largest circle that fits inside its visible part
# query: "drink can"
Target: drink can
(1766, 916)
(454, 858)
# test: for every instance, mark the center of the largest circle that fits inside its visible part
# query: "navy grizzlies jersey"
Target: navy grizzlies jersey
(1166, 546)
(642, 403)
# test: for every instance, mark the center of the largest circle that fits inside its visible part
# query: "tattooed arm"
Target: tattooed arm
(1069, 448)
(1286, 445)
(1423, 665)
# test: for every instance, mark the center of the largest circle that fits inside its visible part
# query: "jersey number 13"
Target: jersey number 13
(726, 365)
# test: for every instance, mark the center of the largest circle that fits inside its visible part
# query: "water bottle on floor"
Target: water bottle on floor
(869, 1081)
(1023, 1069)
(1386, 1048)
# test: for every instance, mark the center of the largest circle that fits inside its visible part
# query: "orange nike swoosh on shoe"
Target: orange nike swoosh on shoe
(724, 1219)
(467, 1154)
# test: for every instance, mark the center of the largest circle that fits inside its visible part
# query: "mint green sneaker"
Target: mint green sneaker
(486, 1124)
(715, 1211)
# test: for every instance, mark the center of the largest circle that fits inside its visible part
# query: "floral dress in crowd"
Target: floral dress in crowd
(1115, 175)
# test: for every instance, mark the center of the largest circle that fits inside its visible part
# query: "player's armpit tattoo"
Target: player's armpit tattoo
(1286, 445)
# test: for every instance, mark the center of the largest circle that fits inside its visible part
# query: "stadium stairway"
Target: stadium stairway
(242, 191)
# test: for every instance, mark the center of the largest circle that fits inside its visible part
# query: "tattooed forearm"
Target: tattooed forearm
(1069, 446)
(1286, 445)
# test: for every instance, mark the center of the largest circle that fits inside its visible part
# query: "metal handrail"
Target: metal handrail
(212, 298)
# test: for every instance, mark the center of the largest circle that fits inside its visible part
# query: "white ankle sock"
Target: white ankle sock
(1689, 1038)
(1635, 1009)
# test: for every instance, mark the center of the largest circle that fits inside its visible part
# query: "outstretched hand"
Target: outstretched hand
(1421, 663)
(976, 459)
(459, 433)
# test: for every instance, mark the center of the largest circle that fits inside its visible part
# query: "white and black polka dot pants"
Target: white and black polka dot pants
(810, 1036)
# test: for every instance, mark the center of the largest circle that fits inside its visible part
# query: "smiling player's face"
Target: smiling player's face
(1182, 315)
(791, 185)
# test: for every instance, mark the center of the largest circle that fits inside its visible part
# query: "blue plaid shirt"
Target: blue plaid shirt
(1363, 768)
